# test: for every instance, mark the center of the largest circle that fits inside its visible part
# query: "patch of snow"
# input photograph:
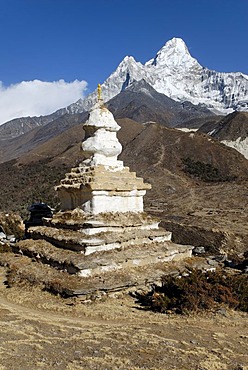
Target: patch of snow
(185, 129)
(240, 145)
(211, 132)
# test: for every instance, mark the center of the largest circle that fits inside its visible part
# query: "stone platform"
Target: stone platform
(130, 240)
(75, 230)
(22, 268)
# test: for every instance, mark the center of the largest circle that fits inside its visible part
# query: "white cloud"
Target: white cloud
(35, 98)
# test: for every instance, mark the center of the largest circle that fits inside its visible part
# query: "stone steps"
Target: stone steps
(100, 188)
(101, 262)
(87, 244)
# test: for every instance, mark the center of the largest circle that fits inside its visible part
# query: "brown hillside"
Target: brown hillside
(28, 142)
(162, 147)
(209, 213)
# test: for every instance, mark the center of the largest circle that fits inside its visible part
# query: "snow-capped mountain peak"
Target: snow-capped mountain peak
(128, 65)
(175, 73)
(174, 54)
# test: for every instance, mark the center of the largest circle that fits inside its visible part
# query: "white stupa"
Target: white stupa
(101, 183)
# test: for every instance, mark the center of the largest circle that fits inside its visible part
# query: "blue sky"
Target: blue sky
(85, 40)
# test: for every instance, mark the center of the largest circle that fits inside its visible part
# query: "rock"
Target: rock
(2, 235)
(198, 250)
(212, 262)
(229, 263)
(11, 238)
(222, 311)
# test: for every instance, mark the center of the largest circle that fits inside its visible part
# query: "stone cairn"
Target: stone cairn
(102, 236)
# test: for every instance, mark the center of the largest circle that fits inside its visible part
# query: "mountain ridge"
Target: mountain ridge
(175, 73)
(157, 107)
(141, 102)
(172, 72)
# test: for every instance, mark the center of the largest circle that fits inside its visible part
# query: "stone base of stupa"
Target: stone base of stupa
(88, 246)
(86, 255)
(40, 263)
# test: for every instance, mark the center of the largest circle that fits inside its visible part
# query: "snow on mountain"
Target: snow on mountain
(239, 144)
(175, 73)
(127, 72)
(142, 103)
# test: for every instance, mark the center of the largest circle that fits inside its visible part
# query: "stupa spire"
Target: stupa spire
(99, 92)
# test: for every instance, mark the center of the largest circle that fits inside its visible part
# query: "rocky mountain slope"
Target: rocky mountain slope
(142, 103)
(232, 130)
(22, 125)
(175, 73)
(25, 143)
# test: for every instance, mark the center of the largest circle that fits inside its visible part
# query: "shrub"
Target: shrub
(197, 291)
(205, 171)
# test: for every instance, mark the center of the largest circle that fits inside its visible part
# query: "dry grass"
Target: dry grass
(41, 331)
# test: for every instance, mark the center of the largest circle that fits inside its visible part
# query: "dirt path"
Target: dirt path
(41, 331)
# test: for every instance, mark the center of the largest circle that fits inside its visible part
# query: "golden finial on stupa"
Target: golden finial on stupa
(99, 92)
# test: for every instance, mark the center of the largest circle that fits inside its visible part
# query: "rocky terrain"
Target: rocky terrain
(142, 103)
